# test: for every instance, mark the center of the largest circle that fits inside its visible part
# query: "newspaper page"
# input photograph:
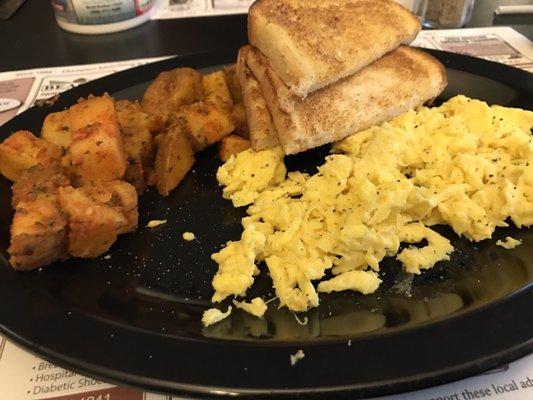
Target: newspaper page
(502, 44)
(167, 9)
(20, 90)
(197, 8)
(26, 377)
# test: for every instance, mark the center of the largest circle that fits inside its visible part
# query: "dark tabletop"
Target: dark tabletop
(31, 38)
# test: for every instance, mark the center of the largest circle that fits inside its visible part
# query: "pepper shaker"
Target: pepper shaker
(444, 13)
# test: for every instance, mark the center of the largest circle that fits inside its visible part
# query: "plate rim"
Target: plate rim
(508, 75)
(355, 391)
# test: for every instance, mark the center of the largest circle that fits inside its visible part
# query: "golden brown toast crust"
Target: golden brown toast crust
(404, 78)
(313, 43)
(263, 135)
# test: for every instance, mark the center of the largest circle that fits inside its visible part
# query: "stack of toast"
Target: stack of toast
(317, 71)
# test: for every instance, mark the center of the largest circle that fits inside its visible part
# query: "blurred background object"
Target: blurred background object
(409, 4)
(94, 17)
(38, 41)
(460, 13)
(8, 7)
(444, 13)
(513, 14)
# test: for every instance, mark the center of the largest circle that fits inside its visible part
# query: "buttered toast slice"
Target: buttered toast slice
(403, 79)
(313, 43)
(262, 132)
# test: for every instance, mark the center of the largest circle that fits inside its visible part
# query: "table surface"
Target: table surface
(31, 38)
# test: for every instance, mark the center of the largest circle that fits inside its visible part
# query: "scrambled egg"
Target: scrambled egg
(509, 243)
(156, 222)
(188, 236)
(245, 179)
(463, 164)
(256, 307)
(299, 355)
(214, 315)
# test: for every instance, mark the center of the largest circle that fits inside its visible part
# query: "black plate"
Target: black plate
(135, 318)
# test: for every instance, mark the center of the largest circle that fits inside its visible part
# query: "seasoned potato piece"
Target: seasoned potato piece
(38, 233)
(22, 150)
(233, 83)
(231, 145)
(118, 194)
(216, 88)
(205, 123)
(131, 113)
(95, 155)
(97, 214)
(174, 159)
(38, 181)
(131, 116)
(171, 90)
(124, 194)
(135, 174)
(96, 152)
(56, 128)
(150, 176)
(39, 228)
(238, 114)
(93, 228)
(94, 109)
(138, 143)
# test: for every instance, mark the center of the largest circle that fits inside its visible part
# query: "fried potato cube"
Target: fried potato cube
(22, 150)
(171, 90)
(233, 83)
(131, 116)
(94, 109)
(216, 87)
(135, 174)
(38, 233)
(96, 152)
(120, 195)
(238, 114)
(38, 181)
(232, 145)
(56, 128)
(97, 214)
(174, 159)
(138, 143)
(125, 195)
(150, 176)
(93, 228)
(205, 123)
